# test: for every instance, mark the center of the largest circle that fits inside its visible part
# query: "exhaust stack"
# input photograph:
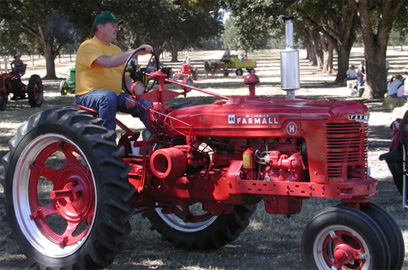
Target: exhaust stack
(290, 77)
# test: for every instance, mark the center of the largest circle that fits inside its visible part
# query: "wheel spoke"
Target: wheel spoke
(336, 238)
(41, 212)
(68, 151)
(184, 214)
(67, 237)
(38, 170)
(187, 216)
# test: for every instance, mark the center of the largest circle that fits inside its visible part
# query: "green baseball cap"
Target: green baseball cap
(106, 17)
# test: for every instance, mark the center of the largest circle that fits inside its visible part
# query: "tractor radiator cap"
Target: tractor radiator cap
(251, 79)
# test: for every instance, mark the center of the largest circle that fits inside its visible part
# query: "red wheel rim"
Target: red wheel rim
(37, 91)
(72, 197)
(343, 249)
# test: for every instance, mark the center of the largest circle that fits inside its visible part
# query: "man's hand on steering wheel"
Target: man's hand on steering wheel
(147, 49)
(138, 72)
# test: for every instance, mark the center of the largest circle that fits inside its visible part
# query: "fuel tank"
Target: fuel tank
(242, 116)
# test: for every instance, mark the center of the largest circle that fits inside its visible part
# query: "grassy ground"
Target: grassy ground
(271, 241)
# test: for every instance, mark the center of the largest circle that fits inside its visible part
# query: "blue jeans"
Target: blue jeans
(106, 102)
(360, 80)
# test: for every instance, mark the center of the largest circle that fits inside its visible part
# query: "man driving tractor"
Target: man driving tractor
(99, 65)
(18, 66)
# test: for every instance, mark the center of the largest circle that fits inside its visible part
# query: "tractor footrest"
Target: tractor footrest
(90, 110)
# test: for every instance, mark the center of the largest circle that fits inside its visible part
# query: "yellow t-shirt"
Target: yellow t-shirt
(90, 76)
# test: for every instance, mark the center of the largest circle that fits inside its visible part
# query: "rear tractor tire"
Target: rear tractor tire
(35, 91)
(201, 231)
(3, 101)
(67, 196)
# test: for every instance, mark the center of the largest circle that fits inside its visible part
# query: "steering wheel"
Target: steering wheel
(137, 72)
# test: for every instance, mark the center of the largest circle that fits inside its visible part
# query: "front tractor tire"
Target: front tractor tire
(189, 229)
(344, 238)
(67, 196)
(391, 231)
(63, 88)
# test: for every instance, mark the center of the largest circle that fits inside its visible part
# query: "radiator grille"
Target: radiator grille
(347, 145)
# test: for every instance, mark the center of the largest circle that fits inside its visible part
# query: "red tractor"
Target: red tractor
(70, 189)
(187, 71)
(10, 83)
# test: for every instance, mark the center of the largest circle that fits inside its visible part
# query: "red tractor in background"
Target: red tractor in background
(10, 83)
(70, 188)
(187, 71)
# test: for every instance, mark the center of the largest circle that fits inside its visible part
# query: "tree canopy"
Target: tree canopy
(46, 24)
(331, 25)
(166, 24)
(172, 25)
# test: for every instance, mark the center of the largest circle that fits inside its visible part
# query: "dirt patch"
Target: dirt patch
(271, 241)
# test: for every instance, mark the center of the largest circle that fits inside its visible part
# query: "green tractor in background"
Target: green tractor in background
(68, 85)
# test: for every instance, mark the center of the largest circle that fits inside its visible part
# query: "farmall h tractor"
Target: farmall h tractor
(10, 83)
(70, 189)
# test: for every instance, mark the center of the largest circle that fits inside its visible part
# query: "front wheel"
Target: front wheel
(63, 87)
(195, 74)
(391, 231)
(251, 71)
(35, 91)
(344, 238)
(191, 228)
(66, 189)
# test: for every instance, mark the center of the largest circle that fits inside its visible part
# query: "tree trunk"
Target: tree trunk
(309, 52)
(343, 57)
(313, 58)
(317, 49)
(376, 81)
(174, 53)
(328, 48)
(49, 55)
(50, 65)
(307, 46)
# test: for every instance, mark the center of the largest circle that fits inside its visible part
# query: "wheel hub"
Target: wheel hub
(343, 249)
(73, 193)
(343, 254)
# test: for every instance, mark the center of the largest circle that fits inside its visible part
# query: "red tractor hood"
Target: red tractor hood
(242, 116)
